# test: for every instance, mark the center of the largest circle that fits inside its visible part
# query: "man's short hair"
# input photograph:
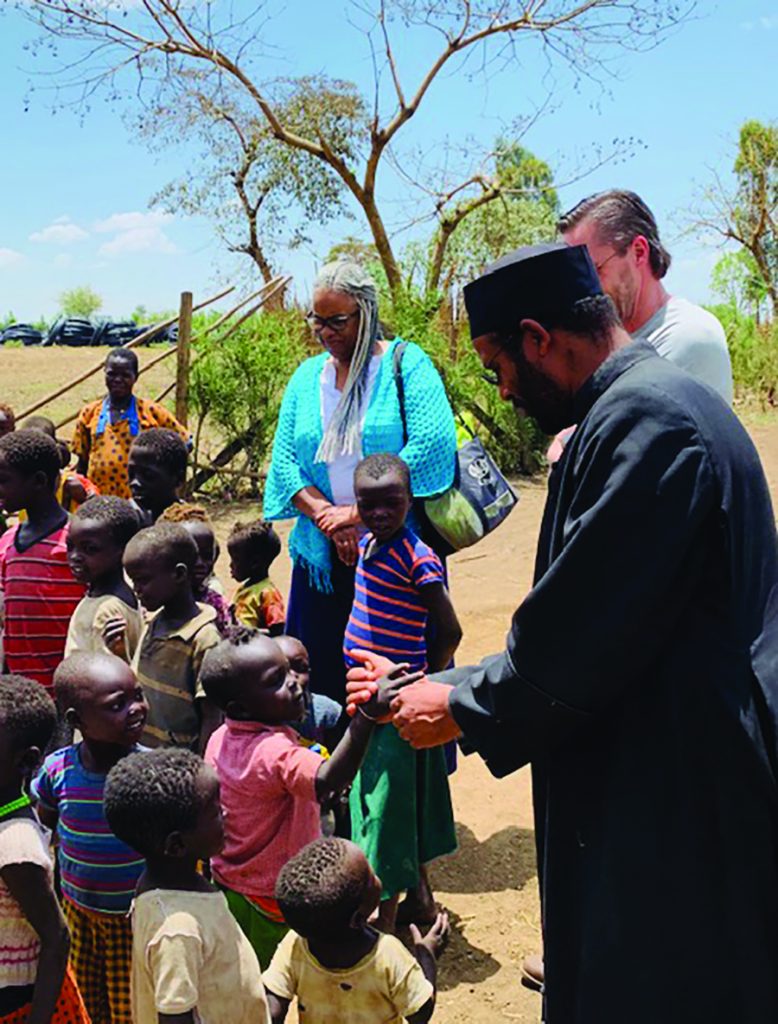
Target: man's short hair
(170, 542)
(150, 794)
(320, 888)
(375, 466)
(620, 216)
(167, 448)
(27, 712)
(593, 317)
(29, 451)
(118, 515)
(123, 355)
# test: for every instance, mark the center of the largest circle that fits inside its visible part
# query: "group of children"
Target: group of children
(189, 768)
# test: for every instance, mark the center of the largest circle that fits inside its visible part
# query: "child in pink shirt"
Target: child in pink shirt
(271, 785)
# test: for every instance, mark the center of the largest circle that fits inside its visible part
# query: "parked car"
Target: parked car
(119, 333)
(26, 333)
(71, 330)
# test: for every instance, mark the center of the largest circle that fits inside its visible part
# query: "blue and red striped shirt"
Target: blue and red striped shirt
(98, 871)
(387, 615)
(40, 594)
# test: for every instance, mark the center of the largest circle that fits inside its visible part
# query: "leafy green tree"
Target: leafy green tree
(736, 279)
(747, 213)
(162, 40)
(81, 301)
(517, 205)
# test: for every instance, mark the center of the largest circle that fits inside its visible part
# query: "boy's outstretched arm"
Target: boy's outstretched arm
(427, 950)
(335, 774)
(446, 632)
(278, 1007)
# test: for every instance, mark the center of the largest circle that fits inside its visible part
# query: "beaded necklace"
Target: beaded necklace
(14, 805)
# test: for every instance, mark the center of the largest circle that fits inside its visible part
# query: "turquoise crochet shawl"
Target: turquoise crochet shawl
(430, 452)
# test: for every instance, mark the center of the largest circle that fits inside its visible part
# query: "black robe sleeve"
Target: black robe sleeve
(626, 537)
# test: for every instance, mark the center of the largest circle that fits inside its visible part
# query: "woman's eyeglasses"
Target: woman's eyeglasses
(335, 323)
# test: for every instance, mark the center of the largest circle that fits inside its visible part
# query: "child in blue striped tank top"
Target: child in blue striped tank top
(401, 815)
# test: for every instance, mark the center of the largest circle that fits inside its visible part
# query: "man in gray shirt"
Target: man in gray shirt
(623, 240)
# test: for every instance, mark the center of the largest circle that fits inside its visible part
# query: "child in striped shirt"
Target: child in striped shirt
(35, 983)
(401, 815)
(99, 696)
(40, 591)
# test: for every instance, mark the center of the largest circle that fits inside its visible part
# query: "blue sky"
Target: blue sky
(74, 191)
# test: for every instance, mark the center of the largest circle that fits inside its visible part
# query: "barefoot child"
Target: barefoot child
(101, 698)
(35, 985)
(271, 784)
(160, 562)
(253, 547)
(338, 966)
(190, 960)
(400, 803)
(99, 532)
(39, 589)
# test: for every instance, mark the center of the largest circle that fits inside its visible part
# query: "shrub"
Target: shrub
(753, 349)
(238, 383)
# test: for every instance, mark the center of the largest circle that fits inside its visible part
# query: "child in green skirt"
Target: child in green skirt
(401, 815)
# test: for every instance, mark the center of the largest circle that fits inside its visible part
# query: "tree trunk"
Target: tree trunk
(382, 244)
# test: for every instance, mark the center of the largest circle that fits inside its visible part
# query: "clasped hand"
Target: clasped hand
(419, 710)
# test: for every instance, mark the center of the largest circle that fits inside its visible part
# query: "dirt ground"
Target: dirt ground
(489, 887)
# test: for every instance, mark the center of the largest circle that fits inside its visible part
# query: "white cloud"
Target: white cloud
(61, 231)
(9, 257)
(63, 259)
(763, 24)
(135, 232)
(132, 221)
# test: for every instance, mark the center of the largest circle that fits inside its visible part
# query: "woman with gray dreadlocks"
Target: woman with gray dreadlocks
(339, 407)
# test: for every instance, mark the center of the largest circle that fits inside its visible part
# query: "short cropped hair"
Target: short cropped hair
(373, 467)
(123, 355)
(259, 539)
(182, 512)
(150, 794)
(318, 890)
(620, 217)
(168, 449)
(29, 452)
(27, 712)
(42, 423)
(70, 674)
(10, 415)
(217, 674)
(117, 515)
(169, 541)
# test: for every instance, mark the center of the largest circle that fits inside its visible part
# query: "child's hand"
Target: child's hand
(114, 635)
(435, 939)
(379, 705)
(362, 679)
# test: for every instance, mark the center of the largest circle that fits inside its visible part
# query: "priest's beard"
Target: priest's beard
(541, 397)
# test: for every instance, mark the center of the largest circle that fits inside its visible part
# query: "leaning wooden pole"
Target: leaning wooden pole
(98, 366)
(183, 357)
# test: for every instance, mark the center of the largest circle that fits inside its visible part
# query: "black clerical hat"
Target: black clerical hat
(535, 281)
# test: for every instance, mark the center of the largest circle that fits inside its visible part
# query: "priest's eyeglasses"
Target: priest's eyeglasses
(491, 377)
(335, 323)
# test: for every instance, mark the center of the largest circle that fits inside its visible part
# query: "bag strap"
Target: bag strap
(397, 358)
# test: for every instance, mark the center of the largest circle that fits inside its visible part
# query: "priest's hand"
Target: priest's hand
(422, 715)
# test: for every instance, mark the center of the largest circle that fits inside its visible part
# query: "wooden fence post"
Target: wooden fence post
(182, 362)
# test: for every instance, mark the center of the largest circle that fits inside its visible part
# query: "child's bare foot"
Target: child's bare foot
(419, 905)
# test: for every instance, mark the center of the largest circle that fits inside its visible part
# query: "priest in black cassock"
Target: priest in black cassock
(640, 675)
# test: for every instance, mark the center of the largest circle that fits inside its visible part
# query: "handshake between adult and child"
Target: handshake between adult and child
(420, 708)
